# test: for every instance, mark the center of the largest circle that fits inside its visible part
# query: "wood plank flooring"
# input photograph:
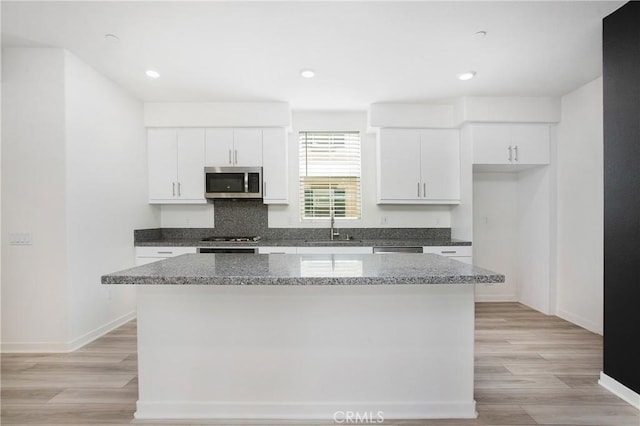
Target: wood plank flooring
(531, 369)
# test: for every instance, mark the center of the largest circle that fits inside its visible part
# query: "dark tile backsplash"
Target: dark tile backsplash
(250, 218)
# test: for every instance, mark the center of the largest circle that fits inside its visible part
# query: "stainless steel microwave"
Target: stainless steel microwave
(233, 182)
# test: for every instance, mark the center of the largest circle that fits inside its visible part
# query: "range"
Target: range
(228, 249)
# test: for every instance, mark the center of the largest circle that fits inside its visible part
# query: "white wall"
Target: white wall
(536, 239)
(106, 196)
(372, 214)
(34, 277)
(580, 207)
(74, 177)
(495, 232)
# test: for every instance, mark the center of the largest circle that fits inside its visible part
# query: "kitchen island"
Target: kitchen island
(236, 336)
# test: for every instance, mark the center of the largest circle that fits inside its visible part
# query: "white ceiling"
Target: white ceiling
(362, 52)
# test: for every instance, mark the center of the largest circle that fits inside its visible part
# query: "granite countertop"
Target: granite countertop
(293, 269)
(190, 242)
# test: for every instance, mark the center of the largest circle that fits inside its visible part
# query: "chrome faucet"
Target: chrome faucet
(334, 232)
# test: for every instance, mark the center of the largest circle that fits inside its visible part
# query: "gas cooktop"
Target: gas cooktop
(233, 239)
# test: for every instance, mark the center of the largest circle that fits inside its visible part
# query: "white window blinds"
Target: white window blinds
(330, 175)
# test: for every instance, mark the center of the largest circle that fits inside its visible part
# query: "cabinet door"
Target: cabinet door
(530, 144)
(334, 250)
(247, 147)
(191, 165)
(162, 151)
(491, 144)
(219, 147)
(275, 182)
(398, 165)
(440, 165)
(277, 250)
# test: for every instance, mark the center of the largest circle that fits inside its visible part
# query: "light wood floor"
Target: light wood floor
(531, 369)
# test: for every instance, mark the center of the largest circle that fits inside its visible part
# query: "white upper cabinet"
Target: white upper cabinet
(418, 166)
(510, 144)
(226, 147)
(176, 165)
(275, 188)
(398, 165)
(440, 165)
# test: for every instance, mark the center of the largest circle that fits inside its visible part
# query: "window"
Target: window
(330, 175)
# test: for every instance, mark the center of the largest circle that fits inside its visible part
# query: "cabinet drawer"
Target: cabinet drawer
(449, 251)
(163, 251)
(277, 250)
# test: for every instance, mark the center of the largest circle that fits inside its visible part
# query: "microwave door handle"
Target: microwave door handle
(246, 182)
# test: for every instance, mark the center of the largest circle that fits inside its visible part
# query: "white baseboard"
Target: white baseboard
(580, 321)
(620, 390)
(100, 331)
(218, 410)
(64, 347)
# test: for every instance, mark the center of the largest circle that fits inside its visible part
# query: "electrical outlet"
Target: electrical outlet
(20, 238)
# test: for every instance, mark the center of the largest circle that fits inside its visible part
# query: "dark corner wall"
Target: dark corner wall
(621, 73)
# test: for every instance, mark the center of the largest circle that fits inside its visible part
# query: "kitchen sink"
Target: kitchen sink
(332, 242)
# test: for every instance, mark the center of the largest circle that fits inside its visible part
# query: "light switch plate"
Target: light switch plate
(20, 239)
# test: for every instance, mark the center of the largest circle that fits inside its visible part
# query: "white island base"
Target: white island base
(305, 352)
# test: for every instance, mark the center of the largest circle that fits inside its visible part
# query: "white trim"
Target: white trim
(58, 347)
(99, 332)
(620, 390)
(580, 321)
(301, 411)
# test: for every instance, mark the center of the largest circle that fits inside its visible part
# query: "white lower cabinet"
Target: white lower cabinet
(461, 253)
(335, 250)
(145, 255)
(277, 250)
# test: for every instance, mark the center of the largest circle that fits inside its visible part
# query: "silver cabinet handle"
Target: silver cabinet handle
(179, 191)
(424, 189)
(229, 156)
(510, 154)
(418, 189)
(165, 252)
(448, 251)
(235, 161)
(173, 184)
(516, 159)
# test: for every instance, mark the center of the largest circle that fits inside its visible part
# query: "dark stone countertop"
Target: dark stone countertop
(190, 242)
(294, 269)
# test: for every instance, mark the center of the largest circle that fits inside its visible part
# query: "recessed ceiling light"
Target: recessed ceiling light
(112, 38)
(308, 73)
(152, 73)
(479, 34)
(467, 75)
